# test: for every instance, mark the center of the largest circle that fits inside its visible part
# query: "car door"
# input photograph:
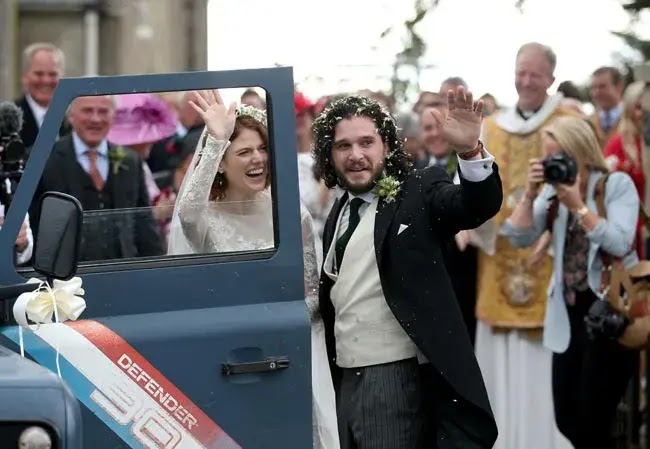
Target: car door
(194, 351)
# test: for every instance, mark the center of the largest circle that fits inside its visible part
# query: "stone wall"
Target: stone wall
(133, 36)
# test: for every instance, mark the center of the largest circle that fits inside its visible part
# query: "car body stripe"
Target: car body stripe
(122, 388)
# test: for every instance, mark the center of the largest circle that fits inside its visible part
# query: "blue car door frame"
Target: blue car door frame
(183, 317)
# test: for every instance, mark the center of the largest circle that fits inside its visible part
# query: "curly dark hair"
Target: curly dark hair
(398, 163)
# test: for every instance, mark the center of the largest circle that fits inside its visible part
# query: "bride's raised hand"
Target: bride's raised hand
(219, 120)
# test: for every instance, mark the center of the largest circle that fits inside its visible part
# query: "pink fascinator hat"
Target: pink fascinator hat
(141, 118)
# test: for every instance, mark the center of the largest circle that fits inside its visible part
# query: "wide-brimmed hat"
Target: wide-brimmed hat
(141, 118)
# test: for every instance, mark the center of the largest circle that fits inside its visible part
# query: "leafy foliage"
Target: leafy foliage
(633, 41)
(414, 48)
(634, 8)
(637, 6)
(411, 54)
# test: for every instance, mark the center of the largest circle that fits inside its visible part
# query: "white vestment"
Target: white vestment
(516, 367)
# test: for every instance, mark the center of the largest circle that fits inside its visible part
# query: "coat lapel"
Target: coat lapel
(29, 129)
(591, 205)
(116, 184)
(70, 167)
(383, 219)
(330, 225)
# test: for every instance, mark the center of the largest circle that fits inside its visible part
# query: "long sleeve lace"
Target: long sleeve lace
(195, 196)
(310, 264)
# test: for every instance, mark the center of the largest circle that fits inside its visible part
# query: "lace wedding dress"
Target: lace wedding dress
(203, 226)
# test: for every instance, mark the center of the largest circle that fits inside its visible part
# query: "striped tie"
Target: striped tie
(93, 171)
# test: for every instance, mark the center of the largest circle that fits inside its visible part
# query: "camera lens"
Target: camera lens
(553, 173)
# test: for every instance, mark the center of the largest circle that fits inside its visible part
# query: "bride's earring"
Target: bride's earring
(221, 178)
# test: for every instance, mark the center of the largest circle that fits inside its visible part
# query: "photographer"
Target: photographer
(12, 153)
(589, 376)
(24, 242)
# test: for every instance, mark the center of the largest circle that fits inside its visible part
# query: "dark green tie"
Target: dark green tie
(353, 222)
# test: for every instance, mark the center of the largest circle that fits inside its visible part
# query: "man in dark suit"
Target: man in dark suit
(169, 157)
(107, 180)
(461, 258)
(43, 65)
(402, 363)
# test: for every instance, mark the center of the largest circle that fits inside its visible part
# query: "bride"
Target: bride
(224, 205)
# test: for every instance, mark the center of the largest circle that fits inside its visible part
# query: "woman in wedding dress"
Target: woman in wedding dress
(225, 205)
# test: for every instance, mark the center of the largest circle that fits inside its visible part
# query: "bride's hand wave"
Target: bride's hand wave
(219, 120)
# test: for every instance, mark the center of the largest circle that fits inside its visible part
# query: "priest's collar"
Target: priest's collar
(526, 113)
(513, 122)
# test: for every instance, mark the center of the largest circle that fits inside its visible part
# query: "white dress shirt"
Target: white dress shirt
(38, 110)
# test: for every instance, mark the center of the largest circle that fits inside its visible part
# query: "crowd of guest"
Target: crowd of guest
(124, 157)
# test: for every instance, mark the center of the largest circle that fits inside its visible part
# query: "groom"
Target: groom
(402, 362)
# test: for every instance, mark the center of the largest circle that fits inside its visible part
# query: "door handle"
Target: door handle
(270, 364)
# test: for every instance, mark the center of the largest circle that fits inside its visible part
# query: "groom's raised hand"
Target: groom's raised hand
(462, 125)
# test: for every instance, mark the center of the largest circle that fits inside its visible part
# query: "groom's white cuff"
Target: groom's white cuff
(476, 170)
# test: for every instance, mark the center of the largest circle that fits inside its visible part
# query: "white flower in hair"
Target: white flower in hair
(251, 111)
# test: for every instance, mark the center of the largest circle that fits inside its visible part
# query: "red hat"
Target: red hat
(302, 103)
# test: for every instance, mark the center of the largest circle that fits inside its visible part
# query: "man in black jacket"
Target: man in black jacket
(43, 65)
(401, 359)
(109, 182)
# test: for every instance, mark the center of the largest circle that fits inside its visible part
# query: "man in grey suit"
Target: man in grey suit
(402, 361)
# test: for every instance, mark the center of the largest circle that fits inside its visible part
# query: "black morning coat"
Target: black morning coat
(417, 289)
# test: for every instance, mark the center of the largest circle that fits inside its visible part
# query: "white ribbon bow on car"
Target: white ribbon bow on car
(62, 301)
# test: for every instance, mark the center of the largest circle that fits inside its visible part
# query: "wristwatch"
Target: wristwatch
(580, 213)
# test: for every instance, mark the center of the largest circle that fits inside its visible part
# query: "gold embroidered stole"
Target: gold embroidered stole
(510, 294)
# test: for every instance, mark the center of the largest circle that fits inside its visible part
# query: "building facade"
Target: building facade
(104, 37)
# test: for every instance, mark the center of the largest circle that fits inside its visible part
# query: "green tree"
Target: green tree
(635, 8)
(409, 59)
(408, 65)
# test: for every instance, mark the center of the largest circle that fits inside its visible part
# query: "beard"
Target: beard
(359, 187)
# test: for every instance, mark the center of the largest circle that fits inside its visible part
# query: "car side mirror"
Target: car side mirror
(58, 242)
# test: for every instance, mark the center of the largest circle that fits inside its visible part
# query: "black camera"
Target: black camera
(12, 150)
(12, 161)
(560, 168)
(12, 153)
(604, 322)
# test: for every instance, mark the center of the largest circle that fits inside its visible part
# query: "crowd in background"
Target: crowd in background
(124, 158)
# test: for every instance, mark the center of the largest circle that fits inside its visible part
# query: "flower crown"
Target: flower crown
(251, 111)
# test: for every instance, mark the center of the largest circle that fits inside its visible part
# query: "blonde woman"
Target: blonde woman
(589, 376)
(623, 151)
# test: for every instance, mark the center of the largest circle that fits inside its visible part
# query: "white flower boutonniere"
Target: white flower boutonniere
(388, 187)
